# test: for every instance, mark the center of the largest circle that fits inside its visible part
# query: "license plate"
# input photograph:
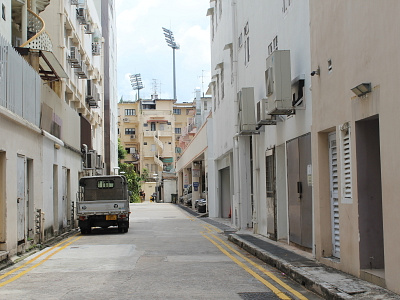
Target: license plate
(111, 217)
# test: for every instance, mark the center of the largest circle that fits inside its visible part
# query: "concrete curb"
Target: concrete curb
(314, 281)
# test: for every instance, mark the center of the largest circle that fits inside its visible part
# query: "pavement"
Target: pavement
(299, 265)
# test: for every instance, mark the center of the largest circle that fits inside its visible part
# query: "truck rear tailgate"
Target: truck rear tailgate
(103, 207)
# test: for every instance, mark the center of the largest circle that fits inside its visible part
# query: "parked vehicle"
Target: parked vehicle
(153, 197)
(187, 195)
(103, 201)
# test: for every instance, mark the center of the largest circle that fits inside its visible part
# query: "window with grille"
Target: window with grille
(130, 112)
(177, 130)
(177, 111)
(129, 130)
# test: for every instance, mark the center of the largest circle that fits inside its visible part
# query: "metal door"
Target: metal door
(21, 199)
(64, 197)
(334, 188)
(300, 190)
(270, 193)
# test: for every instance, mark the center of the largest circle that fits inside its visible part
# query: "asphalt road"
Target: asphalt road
(167, 254)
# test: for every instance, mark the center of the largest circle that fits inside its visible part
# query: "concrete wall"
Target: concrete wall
(346, 33)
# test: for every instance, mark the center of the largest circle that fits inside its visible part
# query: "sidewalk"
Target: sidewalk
(300, 266)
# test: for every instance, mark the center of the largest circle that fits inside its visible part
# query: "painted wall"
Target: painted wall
(350, 45)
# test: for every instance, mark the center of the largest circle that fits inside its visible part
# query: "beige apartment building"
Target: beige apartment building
(354, 53)
(150, 130)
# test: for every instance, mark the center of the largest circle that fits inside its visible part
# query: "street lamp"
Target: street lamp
(169, 38)
(136, 82)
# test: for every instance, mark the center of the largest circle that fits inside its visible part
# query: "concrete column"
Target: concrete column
(244, 175)
(24, 23)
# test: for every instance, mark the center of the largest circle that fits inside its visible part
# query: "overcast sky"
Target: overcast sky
(142, 47)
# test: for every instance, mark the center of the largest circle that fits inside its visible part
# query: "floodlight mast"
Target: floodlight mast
(169, 38)
(136, 82)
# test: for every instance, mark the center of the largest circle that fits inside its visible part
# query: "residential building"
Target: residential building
(51, 88)
(355, 145)
(149, 130)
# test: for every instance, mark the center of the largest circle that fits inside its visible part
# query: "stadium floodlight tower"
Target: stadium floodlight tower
(136, 82)
(169, 38)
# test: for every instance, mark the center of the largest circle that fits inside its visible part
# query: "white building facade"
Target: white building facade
(262, 126)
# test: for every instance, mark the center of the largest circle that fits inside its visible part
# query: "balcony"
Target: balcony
(38, 37)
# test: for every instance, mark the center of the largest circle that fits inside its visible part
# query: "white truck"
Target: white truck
(103, 201)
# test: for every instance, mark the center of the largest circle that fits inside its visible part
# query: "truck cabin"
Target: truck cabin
(94, 188)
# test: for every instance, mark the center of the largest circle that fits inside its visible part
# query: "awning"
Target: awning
(49, 67)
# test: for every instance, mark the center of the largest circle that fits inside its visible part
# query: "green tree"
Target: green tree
(133, 180)
(121, 151)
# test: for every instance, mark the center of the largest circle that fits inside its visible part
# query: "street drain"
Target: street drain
(257, 296)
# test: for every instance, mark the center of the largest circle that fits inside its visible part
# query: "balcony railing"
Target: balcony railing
(39, 39)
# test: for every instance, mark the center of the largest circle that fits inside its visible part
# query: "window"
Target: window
(188, 111)
(169, 143)
(346, 178)
(130, 112)
(153, 126)
(205, 105)
(270, 49)
(3, 11)
(275, 43)
(222, 84)
(130, 130)
(153, 147)
(145, 143)
(145, 125)
(105, 184)
(177, 111)
(240, 40)
(177, 130)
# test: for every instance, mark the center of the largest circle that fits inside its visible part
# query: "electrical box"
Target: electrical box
(278, 83)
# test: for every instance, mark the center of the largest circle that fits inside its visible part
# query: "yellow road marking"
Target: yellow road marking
(266, 272)
(36, 257)
(39, 263)
(277, 292)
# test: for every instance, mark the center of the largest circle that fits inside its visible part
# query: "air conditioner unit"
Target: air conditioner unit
(74, 56)
(133, 136)
(81, 15)
(74, 2)
(278, 83)
(91, 158)
(246, 110)
(262, 116)
(89, 89)
(99, 163)
(96, 48)
(82, 71)
(126, 119)
(88, 28)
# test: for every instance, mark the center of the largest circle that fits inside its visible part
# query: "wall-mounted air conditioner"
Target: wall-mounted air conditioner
(82, 71)
(74, 2)
(91, 158)
(88, 28)
(278, 83)
(262, 116)
(81, 15)
(246, 110)
(99, 162)
(74, 57)
(133, 136)
(96, 48)
(126, 119)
